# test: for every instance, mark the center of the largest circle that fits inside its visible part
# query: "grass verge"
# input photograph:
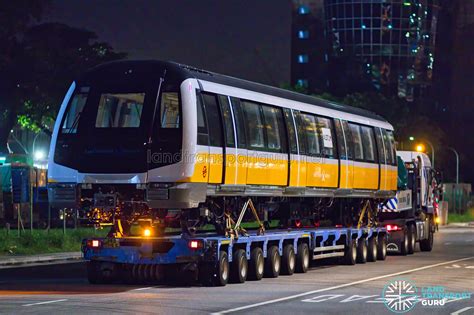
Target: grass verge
(43, 242)
(468, 216)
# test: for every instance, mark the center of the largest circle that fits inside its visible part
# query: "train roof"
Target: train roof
(185, 72)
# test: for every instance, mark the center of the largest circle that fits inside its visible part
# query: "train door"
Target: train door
(346, 155)
(297, 167)
(231, 169)
(216, 143)
(241, 141)
(382, 159)
(201, 156)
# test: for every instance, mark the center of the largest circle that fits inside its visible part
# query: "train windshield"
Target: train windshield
(107, 125)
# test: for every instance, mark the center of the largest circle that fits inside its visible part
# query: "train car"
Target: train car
(185, 147)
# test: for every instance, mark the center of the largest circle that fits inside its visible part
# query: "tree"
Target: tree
(39, 62)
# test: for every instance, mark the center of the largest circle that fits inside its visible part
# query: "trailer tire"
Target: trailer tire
(257, 264)
(272, 263)
(93, 274)
(411, 239)
(288, 260)
(381, 247)
(426, 245)
(215, 275)
(302, 258)
(372, 249)
(361, 250)
(239, 267)
(350, 255)
(404, 244)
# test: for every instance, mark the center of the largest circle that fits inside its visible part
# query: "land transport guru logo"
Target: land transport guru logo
(402, 295)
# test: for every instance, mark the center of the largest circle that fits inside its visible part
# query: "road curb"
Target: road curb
(38, 259)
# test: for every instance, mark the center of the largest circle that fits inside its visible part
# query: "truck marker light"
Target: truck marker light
(438, 220)
(147, 232)
(195, 244)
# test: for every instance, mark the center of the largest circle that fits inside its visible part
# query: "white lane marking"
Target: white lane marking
(462, 310)
(140, 289)
(45, 302)
(291, 297)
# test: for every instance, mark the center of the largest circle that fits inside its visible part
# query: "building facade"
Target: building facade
(385, 45)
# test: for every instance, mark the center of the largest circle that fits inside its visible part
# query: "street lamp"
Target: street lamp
(411, 138)
(457, 163)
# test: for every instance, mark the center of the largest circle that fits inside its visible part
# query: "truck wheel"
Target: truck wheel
(239, 267)
(372, 249)
(93, 272)
(426, 245)
(257, 264)
(381, 247)
(411, 239)
(288, 261)
(272, 262)
(302, 258)
(211, 274)
(404, 244)
(350, 255)
(361, 251)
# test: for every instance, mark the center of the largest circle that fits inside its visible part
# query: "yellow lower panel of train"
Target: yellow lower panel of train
(320, 174)
(366, 177)
(266, 170)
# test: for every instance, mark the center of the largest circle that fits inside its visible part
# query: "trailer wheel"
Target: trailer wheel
(411, 239)
(426, 245)
(257, 264)
(350, 254)
(302, 258)
(404, 244)
(211, 274)
(93, 274)
(372, 249)
(272, 262)
(362, 250)
(381, 247)
(239, 267)
(288, 261)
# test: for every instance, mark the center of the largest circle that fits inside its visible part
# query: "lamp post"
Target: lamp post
(432, 149)
(457, 163)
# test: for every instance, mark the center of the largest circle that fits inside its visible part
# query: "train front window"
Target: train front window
(170, 110)
(120, 110)
(75, 109)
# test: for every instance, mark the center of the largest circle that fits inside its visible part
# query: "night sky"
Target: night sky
(249, 39)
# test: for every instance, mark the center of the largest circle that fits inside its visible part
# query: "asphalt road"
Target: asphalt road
(326, 289)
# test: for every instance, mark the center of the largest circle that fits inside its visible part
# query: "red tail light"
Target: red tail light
(338, 225)
(393, 227)
(94, 243)
(298, 223)
(195, 244)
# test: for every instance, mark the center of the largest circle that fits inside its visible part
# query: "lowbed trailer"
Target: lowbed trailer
(215, 259)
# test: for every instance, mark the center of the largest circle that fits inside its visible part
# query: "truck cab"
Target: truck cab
(411, 216)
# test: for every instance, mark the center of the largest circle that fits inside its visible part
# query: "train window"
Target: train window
(340, 139)
(213, 119)
(290, 127)
(380, 146)
(120, 110)
(368, 143)
(301, 132)
(255, 126)
(227, 118)
(239, 123)
(349, 142)
(203, 137)
(389, 142)
(309, 122)
(357, 142)
(74, 111)
(273, 127)
(170, 110)
(327, 137)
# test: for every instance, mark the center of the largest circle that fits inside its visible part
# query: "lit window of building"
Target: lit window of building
(302, 58)
(303, 34)
(303, 10)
